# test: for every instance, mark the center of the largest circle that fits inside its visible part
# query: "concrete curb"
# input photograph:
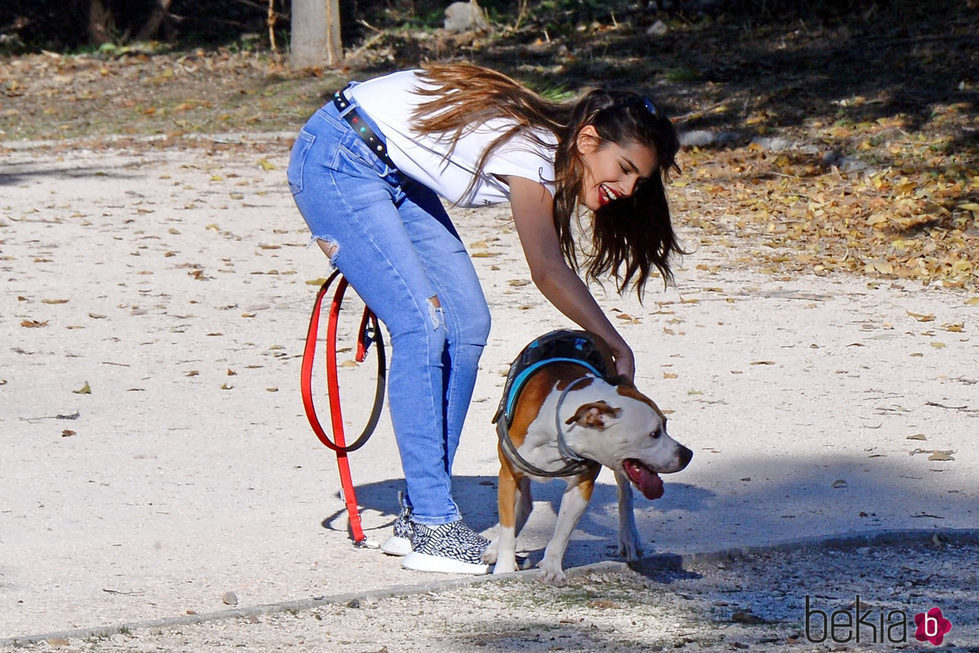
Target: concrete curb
(843, 541)
(655, 563)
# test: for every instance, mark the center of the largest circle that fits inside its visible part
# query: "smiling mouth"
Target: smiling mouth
(606, 194)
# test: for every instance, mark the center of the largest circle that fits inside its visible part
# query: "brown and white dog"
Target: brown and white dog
(613, 425)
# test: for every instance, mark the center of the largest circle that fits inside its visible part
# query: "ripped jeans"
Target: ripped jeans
(398, 249)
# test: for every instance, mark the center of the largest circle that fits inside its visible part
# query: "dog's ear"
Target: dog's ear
(593, 415)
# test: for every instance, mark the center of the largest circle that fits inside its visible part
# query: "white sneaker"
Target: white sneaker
(451, 548)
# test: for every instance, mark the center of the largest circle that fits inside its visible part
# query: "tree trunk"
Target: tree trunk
(315, 34)
(99, 18)
(159, 13)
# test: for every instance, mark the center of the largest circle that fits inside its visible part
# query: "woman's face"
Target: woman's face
(611, 170)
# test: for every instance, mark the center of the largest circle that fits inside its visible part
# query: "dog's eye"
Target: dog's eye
(655, 434)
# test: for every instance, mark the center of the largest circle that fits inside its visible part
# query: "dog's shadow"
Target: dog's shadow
(477, 501)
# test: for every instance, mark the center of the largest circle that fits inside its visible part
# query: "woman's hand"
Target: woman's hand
(625, 361)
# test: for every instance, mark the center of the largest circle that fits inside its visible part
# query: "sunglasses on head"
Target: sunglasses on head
(651, 107)
(645, 101)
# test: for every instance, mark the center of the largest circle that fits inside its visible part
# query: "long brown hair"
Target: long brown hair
(633, 232)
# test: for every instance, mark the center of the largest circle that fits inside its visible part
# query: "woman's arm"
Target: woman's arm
(533, 209)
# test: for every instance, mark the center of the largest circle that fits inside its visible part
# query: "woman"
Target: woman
(367, 172)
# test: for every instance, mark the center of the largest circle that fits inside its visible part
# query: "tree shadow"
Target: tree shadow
(476, 497)
(849, 497)
(14, 174)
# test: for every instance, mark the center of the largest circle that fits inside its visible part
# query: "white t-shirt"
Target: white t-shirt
(390, 101)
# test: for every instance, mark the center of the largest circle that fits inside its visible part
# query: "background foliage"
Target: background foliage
(60, 25)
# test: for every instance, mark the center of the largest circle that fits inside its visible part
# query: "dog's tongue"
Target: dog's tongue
(649, 482)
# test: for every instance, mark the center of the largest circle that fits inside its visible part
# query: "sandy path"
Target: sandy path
(173, 282)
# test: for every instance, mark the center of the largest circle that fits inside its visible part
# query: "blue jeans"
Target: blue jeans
(398, 249)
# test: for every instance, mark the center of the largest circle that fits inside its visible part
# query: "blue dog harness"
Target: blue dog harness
(561, 346)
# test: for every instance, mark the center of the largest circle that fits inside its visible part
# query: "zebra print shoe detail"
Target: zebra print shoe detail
(399, 544)
(451, 548)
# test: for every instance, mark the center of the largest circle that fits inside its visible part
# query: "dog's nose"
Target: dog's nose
(685, 456)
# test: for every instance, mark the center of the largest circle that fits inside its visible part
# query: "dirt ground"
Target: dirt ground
(157, 458)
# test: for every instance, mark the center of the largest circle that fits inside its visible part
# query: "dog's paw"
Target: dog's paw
(502, 567)
(551, 573)
(629, 549)
(490, 554)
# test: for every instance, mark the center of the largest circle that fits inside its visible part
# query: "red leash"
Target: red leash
(367, 333)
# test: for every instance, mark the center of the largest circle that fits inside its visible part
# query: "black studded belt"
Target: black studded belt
(363, 129)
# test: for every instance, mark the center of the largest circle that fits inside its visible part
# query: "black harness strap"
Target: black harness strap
(576, 347)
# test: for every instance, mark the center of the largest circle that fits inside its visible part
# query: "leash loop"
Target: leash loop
(369, 332)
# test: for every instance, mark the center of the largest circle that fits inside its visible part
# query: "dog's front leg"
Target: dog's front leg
(628, 533)
(503, 551)
(573, 505)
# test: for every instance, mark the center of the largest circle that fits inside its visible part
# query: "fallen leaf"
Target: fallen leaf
(922, 317)
(84, 390)
(746, 617)
(67, 433)
(763, 362)
(34, 324)
(839, 483)
(225, 386)
(917, 436)
(941, 455)
(54, 301)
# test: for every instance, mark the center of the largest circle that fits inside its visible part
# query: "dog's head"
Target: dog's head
(626, 431)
